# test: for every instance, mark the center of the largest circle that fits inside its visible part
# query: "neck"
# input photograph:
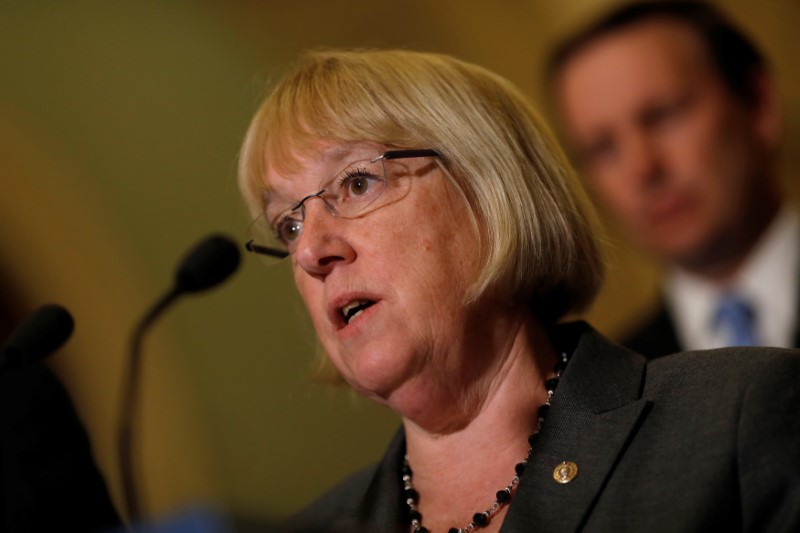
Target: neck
(722, 262)
(459, 470)
(499, 352)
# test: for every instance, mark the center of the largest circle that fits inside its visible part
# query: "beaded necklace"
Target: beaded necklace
(503, 496)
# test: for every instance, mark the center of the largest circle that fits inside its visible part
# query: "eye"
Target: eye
(288, 229)
(603, 149)
(358, 185)
(358, 182)
(661, 115)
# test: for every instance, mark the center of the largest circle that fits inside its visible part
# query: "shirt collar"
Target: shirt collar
(776, 258)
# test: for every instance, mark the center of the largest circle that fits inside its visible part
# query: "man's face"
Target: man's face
(675, 155)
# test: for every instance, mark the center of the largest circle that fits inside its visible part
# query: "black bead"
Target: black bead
(407, 470)
(453, 530)
(411, 494)
(560, 366)
(551, 384)
(503, 496)
(481, 519)
(421, 529)
(531, 439)
(519, 468)
(414, 515)
(543, 410)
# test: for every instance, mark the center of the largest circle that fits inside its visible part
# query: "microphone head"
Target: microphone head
(42, 334)
(208, 264)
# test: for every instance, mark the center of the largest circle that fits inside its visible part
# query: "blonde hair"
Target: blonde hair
(534, 220)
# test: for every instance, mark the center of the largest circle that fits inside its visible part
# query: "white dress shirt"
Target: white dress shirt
(769, 280)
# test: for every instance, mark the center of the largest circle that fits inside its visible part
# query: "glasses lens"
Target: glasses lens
(366, 185)
(356, 187)
(262, 241)
(359, 188)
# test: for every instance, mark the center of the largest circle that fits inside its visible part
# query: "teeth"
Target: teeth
(354, 308)
(352, 305)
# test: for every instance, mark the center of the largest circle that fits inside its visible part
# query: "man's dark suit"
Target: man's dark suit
(658, 336)
(694, 442)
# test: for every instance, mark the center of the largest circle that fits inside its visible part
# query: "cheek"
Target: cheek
(712, 148)
(310, 291)
(714, 175)
(435, 258)
(699, 159)
(612, 191)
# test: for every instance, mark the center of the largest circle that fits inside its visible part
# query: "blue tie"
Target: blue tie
(737, 318)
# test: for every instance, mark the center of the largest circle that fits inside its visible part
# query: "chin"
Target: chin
(376, 374)
(678, 244)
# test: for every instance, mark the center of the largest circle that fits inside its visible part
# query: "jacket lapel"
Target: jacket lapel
(594, 413)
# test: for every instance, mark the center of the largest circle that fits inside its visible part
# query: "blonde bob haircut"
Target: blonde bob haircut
(530, 212)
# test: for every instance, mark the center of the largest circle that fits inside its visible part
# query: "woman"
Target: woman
(437, 236)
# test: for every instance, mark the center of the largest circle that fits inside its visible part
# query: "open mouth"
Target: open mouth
(353, 309)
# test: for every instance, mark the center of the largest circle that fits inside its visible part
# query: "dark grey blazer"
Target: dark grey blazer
(692, 442)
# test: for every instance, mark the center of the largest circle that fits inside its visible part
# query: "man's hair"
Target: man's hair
(732, 53)
(529, 211)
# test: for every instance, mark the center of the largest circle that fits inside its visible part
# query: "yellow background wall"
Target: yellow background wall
(119, 128)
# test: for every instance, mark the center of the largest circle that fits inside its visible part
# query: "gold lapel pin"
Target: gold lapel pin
(565, 472)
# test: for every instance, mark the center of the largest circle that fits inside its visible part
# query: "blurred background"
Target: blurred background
(119, 130)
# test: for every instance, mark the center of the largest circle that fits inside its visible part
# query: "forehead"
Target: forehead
(647, 61)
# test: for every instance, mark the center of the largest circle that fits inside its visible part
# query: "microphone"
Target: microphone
(206, 265)
(44, 332)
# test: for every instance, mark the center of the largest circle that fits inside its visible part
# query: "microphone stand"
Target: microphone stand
(130, 387)
(208, 264)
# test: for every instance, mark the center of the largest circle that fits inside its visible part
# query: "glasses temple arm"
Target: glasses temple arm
(251, 246)
(407, 154)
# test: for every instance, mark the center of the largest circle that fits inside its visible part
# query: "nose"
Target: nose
(323, 244)
(641, 162)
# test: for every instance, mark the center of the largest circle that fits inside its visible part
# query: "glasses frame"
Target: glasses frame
(388, 155)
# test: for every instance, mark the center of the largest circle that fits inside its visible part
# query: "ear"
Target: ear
(767, 109)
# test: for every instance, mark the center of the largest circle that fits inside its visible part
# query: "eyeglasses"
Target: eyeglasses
(359, 188)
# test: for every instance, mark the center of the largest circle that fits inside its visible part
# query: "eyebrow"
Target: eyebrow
(337, 152)
(279, 207)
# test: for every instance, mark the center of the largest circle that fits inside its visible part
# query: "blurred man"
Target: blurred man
(674, 118)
